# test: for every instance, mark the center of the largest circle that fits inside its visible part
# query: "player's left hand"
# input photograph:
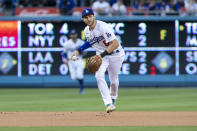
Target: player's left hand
(94, 63)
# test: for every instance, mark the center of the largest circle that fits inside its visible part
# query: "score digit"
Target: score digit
(142, 30)
(142, 69)
(64, 29)
(142, 56)
(142, 39)
(142, 59)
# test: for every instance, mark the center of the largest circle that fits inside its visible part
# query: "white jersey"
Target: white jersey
(98, 39)
(75, 67)
(100, 36)
(71, 46)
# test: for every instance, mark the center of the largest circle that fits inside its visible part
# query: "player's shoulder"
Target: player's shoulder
(80, 40)
(102, 25)
(86, 30)
(69, 41)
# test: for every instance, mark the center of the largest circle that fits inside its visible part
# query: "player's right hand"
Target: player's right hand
(74, 56)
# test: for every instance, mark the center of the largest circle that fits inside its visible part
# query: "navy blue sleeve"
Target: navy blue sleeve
(85, 45)
(63, 54)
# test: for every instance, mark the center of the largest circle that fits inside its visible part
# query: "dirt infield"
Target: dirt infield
(98, 119)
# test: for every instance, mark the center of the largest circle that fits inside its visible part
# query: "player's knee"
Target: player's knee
(73, 77)
(114, 80)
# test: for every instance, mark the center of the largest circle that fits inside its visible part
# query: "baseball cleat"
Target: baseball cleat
(113, 107)
(110, 108)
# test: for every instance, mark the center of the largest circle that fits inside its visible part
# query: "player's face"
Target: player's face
(73, 36)
(89, 20)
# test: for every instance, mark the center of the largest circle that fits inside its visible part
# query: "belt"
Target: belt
(116, 51)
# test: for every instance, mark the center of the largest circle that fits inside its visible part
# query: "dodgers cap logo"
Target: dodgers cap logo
(73, 32)
(87, 11)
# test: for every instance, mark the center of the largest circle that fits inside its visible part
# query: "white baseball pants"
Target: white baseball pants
(111, 63)
(76, 69)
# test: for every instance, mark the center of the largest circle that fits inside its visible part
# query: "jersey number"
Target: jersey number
(106, 44)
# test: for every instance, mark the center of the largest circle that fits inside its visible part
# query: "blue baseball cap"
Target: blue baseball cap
(73, 32)
(87, 11)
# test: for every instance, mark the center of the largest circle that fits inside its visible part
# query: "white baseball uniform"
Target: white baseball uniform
(99, 38)
(75, 67)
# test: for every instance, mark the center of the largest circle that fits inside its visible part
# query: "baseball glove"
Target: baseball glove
(93, 63)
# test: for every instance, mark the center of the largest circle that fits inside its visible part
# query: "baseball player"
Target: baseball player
(75, 67)
(101, 37)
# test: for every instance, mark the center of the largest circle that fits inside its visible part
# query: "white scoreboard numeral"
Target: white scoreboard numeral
(142, 40)
(142, 69)
(191, 68)
(142, 28)
(142, 37)
(63, 69)
(62, 40)
(142, 56)
(64, 29)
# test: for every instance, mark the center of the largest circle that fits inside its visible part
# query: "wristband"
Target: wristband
(79, 50)
(104, 53)
(63, 54)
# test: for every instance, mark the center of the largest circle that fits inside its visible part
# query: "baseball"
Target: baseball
(74, 58)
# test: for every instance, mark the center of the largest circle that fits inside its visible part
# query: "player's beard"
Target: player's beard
(92, 23)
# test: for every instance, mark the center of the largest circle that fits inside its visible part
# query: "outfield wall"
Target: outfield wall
(160, 51)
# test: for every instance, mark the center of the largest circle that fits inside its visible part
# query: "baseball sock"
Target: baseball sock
(81, 85)
(113, 101)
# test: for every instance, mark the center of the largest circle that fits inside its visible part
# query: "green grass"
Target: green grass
(143, 99)
(162, 128)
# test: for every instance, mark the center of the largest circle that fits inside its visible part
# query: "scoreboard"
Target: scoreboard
(33, 48)
(188, 43)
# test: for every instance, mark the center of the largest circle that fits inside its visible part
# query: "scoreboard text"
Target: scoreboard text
(151, 47)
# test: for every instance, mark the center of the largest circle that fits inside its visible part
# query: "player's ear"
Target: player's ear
(82, 19)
